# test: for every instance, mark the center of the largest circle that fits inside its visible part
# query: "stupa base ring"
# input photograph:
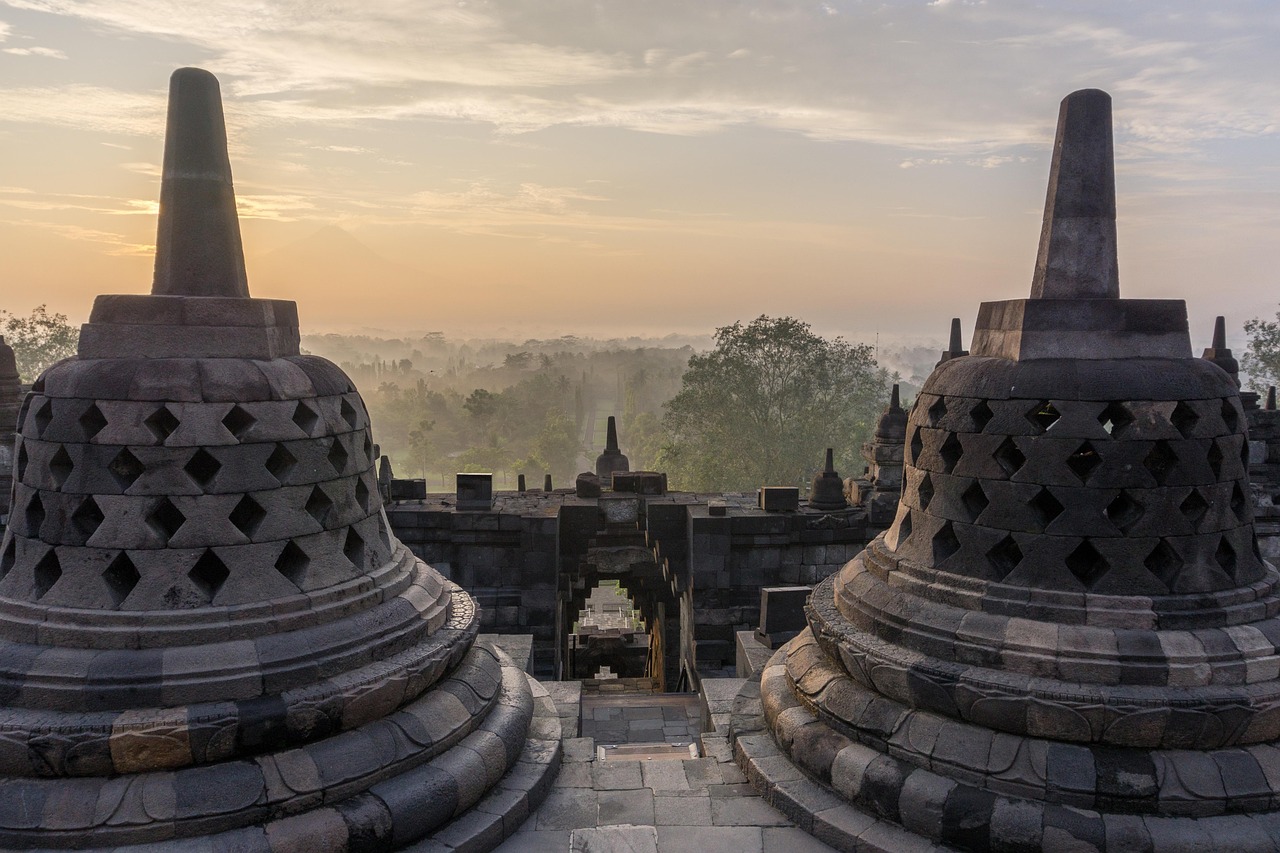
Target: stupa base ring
(881, 792)
(478, 789)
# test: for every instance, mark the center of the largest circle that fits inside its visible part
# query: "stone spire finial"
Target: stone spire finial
(546, 483)
(830, 467)
(1077, 256)
(955, 346)
(1271, 398)
(895, 399)
(198, 249)
(611, 436)
(1220, 332)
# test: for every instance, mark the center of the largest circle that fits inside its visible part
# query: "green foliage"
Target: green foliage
(440, 406)
(762, 407)
(1261, 360)
(38, 340)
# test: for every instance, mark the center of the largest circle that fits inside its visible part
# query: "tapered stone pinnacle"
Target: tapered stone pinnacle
(1220, 333)
(198, 249)
(1271, 399)
(955, 347)
(546, 483)
(611, 436)
(1077, 256)
(895, 399)
(831, 462)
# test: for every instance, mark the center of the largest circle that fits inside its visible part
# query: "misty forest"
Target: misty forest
(745, 405)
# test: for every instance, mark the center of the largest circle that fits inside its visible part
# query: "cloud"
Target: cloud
(27, 199)
(958, 80)
(84, 107)
(48, 52)
(114, 243)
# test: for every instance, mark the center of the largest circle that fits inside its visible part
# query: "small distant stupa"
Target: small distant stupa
(612, 459)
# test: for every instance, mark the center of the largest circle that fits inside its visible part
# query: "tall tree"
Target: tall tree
(1261, 360)
(761, 407)
(38, 340)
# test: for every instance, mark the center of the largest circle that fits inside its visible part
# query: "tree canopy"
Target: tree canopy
(762, 406)
(1261, 360)
(38, 340)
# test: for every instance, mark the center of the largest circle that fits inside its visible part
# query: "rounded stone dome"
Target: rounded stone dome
(1112, 476)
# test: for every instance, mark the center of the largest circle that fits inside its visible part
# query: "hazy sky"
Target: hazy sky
(555, 166)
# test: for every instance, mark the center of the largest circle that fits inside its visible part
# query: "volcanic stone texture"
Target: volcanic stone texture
(145, 497)
(1070, 484)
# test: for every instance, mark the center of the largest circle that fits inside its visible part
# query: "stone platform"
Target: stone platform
(671, 805)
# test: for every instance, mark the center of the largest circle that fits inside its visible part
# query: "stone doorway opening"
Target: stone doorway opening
(617, 617)
(609, 640)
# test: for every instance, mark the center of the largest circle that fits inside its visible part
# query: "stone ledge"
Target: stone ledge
(790, 754)
(1025, 329)
(467, 799)
(1065, 709)
(813, 807)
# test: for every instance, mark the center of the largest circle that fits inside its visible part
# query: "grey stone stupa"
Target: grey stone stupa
(209, 638)
(612, 459)
(882, 486)
(10, 401)
(1067, 640)
(827, 490)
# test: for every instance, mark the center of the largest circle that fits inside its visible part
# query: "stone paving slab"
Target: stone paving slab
(614, 839)
(702, 805)
(654, 718)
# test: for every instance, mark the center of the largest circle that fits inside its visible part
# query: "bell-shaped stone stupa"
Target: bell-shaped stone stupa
(209, 638)
(612, 459)
(1067, 640)
(10, 401)
(827, 490)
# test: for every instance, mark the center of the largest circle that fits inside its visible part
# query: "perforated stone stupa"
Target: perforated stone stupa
(209, 638)
(1067, 640)
(10, 401)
